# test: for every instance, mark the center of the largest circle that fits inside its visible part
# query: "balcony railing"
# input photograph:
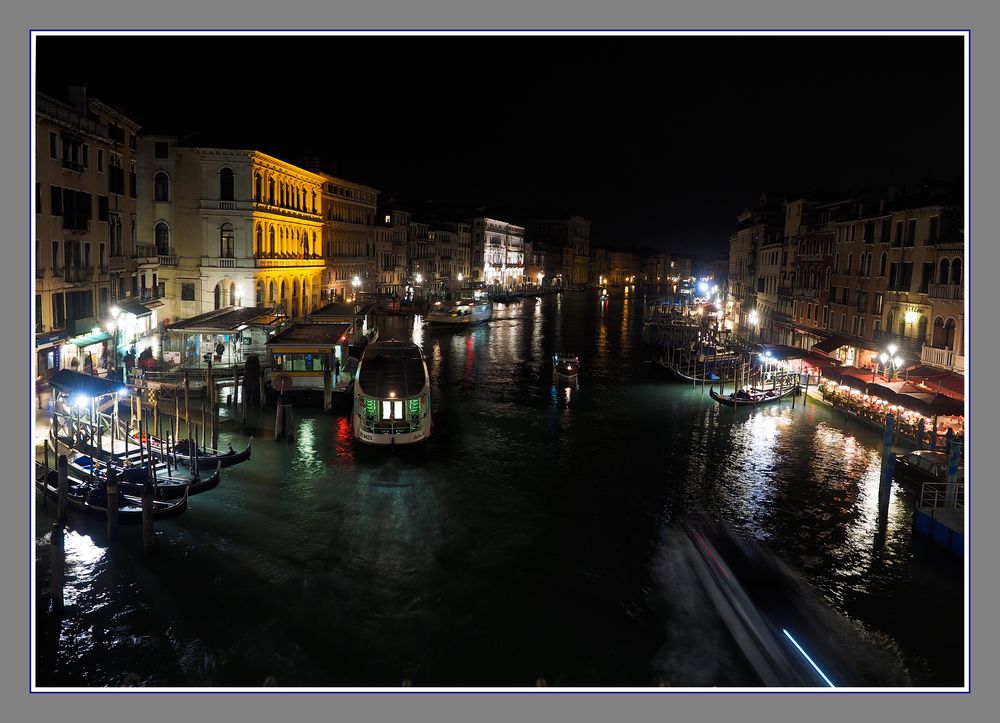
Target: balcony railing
(227, 205)
(157, 292)
(951, 292)
(145, 251)
(78, 274)
(167, 260)
(117, 263)
(937, 357)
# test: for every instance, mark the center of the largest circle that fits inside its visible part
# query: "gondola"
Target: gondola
(207, 458)
(92, 500)
(754, 398)
(131, 479)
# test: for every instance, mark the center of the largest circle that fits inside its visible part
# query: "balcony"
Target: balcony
(811, 257)
(944, 358)
(78, 274)
(167, 260)
(117, 263)
(807, 293)
(78, 224)
(227, 205)
(949, 292)
(276, 262)
(157, 292)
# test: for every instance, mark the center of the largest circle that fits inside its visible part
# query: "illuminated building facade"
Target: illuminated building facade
(497, 256)
(86, 256)
(391, 234)
(349, 235)
(235, 227)
(564, 244)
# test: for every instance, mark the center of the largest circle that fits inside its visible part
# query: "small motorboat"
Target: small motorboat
(565, 366)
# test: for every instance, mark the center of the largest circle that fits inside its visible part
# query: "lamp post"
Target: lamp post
(753, 319)
(355, 282)
(113, 326)
(890, 363)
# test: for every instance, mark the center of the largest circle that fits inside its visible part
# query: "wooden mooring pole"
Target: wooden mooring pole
(58, 544)
(147, 516)
(112, 509)
(63, 488)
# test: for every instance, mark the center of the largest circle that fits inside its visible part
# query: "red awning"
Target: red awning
(850, 377)
(828, 346)
(940, 381)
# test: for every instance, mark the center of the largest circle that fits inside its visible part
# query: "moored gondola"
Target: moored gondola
(752, 398)
(208, 458)
(131, 479)
(92, 500)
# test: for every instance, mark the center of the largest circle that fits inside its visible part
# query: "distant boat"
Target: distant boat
(472, 307)
(565, 367)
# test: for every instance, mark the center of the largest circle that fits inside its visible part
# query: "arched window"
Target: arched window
(826, 284)
(270, 296)
(314, 202)
(218, 295)
(850, 264)
(922, 329)
(227, 185)
(937, 341)
(258, 188)
(882, 262)
(258, 297)
(868, 265)
(956, 271)
(232, 294)
(943, 269)
(949, 334)
(258, 247)
(271, 233)
(227, 241)
(162, 236)
(305, 245)
(161, 187)
(836, 264)
(270, 191)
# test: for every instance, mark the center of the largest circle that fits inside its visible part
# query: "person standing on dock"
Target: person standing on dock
(336, 369)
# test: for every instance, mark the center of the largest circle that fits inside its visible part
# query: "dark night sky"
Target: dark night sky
(661, 141)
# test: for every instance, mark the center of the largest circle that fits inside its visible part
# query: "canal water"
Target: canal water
(533, 537)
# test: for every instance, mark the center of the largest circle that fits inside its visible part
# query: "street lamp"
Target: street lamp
(890, 363)
(355, 282)
(753, 318)
(113, 326)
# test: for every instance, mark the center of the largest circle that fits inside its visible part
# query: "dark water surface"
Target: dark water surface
(531, 537)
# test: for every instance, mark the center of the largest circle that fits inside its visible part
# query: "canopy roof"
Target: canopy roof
(68, 381)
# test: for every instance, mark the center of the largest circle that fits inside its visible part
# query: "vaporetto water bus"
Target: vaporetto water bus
(471, 307)
(392, 395)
